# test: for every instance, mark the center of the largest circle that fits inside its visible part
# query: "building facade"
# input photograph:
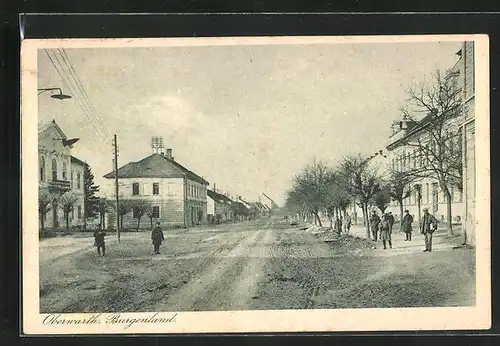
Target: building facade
(403, 157)
(175, 196)
(220, 207)
(59, 174)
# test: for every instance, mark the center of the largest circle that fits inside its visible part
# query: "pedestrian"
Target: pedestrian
(374, 222)
(99, 242)
(157, 238)
(347, 221)
(427, 228)
(406, 227)
(385, 231)
(390, 218)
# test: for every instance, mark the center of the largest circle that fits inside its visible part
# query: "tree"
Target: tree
(90, 200)
(360, 181)
(141, 208)
(294, 204)
(382, 198)
(399, 188)
(67, 202)
(439, 145)
(124, 207)
(103, 207)
(311, 187)
(337, 198)
(44, 201)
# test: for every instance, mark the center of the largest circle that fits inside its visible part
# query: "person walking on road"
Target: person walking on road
(429, 225)
(385, 231)
(99, 242)
(406, 227)
(157, 238)
(374, 224)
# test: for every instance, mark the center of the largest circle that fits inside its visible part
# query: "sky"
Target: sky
(247, 118)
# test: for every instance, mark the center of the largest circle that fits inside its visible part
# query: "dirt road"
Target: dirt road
(261, 264)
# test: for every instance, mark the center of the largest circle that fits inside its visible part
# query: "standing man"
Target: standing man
(390, 219)
(347, 221)
(407, 221)
(99, 235)
(374, 224)
(429, 225)
(157, 238)
(385, 231)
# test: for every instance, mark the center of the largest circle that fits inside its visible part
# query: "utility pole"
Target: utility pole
(115, 147)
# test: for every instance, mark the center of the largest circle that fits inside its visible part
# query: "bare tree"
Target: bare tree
(44, 201)
(437, 140)
(398, 183)
(124, 208)
(140, 208)
(311, 187)
(337, 198)
(360, 181)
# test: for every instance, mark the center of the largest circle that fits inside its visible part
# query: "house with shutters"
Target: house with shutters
(175, 195)
(59, 173)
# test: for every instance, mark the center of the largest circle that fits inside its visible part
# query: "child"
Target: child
(99, 235)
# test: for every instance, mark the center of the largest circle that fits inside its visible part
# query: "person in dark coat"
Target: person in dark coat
(385, 231)
(157, 238)
(429, 225)
(406, 227)
(390, 219)
(99, 242)
(374, 222)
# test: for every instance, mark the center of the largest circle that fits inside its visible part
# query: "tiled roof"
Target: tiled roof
(77, 160)
(155, 166)
(219, 198)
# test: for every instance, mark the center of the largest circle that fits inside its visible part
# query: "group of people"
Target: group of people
(383, 226)
(342, 224)
(156, 237)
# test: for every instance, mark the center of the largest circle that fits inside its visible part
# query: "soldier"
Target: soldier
(385, 231)
(406, 227)
(157, 238)
(374, 221)
(99, 242)
(427, 228)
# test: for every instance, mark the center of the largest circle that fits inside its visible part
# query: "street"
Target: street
(260, 264)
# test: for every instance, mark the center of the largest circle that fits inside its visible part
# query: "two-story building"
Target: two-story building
(219, 207)
(176, 195)
(59, 173)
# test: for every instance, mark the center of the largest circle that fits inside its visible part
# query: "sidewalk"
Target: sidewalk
(440, 241)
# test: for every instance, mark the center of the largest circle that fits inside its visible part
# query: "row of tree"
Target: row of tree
(435, 143)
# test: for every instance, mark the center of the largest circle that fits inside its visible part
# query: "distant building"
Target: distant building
(218, 207)
(176, 195)
(60, 173)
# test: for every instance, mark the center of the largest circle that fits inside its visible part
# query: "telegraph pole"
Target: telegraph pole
(115, 147)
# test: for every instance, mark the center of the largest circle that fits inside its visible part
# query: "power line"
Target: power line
(68, 63)
(67, 82)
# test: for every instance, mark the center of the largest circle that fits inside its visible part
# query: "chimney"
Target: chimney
(169, 154)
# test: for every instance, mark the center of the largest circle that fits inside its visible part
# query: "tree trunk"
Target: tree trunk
(151, 220)
(331, 220)
(419, 211)
(448, 210)
(367, 222)
(66, 216)
(401, 215)
(316, 214)
(138, 223)
(84, 220)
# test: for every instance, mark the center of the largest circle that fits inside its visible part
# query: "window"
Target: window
(65, 171)
(156, 188)
(78, 182)
(414, 159)
(42, 168)
(54, 169)
(156, 212)
(135, 189)
(79, 211)
(136, 213)
(71, 179)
